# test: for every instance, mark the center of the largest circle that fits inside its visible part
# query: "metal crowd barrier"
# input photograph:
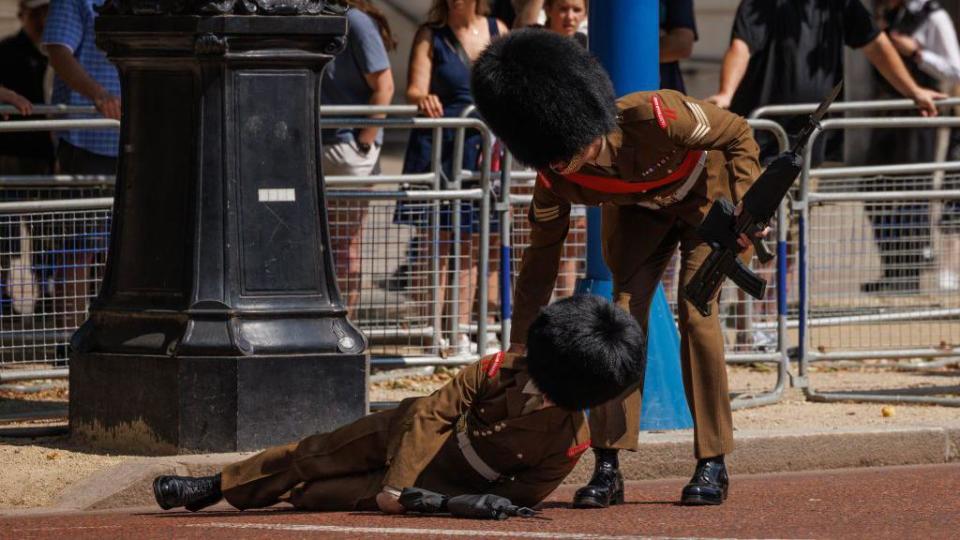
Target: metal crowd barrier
(846, 106)
(418, 326)
(404, 331)
(840, 320)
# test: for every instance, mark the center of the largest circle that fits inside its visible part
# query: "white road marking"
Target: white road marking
(81, 528)
(484, 533)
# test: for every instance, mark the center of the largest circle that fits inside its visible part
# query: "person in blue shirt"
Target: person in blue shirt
(360, 75)
(84, 76)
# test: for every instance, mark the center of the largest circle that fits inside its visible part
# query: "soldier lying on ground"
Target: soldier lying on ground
(509, 425)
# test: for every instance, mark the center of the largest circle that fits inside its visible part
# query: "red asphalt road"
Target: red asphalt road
(892, 502)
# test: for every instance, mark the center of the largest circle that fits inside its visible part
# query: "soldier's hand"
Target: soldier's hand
(389, 503)
(744, 241)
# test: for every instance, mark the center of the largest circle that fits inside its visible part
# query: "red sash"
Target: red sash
(613, 185)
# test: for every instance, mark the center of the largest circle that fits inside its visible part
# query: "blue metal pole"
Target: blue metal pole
(625, 37)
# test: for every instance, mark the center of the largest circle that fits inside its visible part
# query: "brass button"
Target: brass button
(476, 433)
(481, 409)
(497, 427)
(519, 456)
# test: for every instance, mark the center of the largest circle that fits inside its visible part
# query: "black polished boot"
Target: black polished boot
(708, 485)
(606, 486)
(192, 493)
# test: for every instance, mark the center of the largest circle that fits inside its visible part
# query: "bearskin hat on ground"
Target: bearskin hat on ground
(583, 351)
(543, 94)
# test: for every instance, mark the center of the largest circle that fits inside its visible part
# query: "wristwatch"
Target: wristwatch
(364, 148)
(390, 490)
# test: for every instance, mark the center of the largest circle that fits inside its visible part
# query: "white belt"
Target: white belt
(474, 459)
(681, 192)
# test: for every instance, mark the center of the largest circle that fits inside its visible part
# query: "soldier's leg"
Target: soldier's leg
(702, 359)
(638, 244)
(357, 448)
(341, 494)
(637, 247)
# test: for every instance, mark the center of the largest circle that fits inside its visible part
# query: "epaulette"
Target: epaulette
(652, 108)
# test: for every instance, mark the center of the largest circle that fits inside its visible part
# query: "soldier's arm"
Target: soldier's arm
(702, 125)
(429, 422)
(535, 484)
(549, 218)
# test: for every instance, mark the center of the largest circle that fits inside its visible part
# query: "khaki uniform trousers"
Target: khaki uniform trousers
(341, 470)
(638, 244)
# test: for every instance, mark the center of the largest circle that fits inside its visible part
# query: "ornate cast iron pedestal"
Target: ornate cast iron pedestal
(219, 326)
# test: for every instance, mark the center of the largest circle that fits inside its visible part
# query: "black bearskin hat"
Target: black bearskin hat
(544, 95)
(583, 351)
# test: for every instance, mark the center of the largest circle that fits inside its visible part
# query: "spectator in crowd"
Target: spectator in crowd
(83, 77)
(439, 84)
(678, 32)
(923, 34)
(360, 74)
(517, 13)
(22, 70)
(791, 51)
(565, 17)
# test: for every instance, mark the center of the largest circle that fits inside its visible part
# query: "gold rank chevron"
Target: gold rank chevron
(545, 214)
(703, 125)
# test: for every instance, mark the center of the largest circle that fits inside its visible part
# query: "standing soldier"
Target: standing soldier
(654, 162)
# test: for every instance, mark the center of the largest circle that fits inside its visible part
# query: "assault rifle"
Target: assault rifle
(721, 227)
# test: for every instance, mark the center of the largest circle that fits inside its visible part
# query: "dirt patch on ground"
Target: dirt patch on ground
(36, 471)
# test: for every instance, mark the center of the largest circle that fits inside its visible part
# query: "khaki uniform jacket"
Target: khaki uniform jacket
(533, 452)
(416, 444)
(657, 131)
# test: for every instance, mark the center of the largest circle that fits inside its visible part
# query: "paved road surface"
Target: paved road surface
(893, 502)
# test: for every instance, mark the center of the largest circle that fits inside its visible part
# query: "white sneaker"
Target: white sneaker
(949, 280)
(764, 340)
(465, 346)
(24, 290)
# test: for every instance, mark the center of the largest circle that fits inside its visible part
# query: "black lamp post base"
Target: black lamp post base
(165, 405)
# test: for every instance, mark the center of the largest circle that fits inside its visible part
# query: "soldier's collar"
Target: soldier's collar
(606, 160)
(531, 389)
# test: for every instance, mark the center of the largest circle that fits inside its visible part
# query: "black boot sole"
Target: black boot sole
(203, 503)
(694, 499)
(587, 501)
(699, 500)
